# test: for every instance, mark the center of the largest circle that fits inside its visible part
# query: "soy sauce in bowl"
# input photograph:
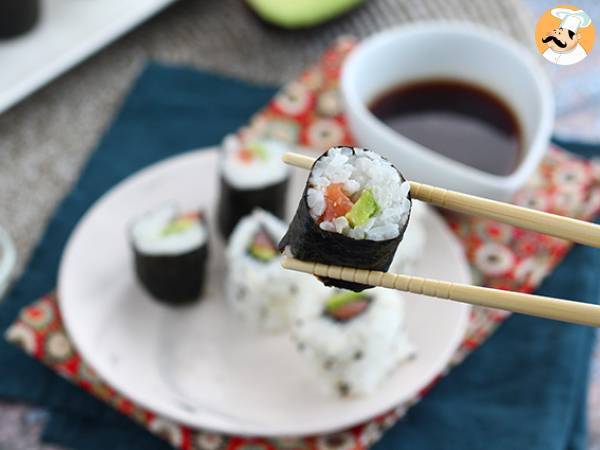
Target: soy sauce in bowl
(461, 121)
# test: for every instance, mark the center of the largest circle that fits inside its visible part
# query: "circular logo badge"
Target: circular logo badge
(565, 35)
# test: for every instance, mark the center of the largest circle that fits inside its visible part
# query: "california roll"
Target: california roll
(410, 251)
(264, 294)
(356, 342)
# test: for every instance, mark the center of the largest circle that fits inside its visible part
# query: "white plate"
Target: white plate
(68, 32)
(200, 365)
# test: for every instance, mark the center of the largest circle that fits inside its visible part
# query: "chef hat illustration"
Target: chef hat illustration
(572, 20)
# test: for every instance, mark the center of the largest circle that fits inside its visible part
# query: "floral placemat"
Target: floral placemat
(309, 112)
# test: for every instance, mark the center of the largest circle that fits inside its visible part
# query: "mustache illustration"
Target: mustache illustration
(556, 41)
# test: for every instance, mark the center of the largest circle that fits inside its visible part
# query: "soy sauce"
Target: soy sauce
(458, 120)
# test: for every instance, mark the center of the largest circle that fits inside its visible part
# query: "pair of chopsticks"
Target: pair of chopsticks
(534, 305)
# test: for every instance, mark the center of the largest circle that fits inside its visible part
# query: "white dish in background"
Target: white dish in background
(459, 51)
(67, 33)
(200, 365)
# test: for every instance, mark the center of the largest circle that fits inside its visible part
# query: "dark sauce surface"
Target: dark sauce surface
(458, 120)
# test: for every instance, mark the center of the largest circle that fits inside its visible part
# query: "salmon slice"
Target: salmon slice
(337, 203)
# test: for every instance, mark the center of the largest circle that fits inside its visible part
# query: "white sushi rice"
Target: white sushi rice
(410, 251)
(359, 171)
(265, 295)
(148, 237)
(257, 173)
(352, 358)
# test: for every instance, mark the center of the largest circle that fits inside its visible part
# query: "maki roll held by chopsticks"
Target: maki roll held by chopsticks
(170, 253)
(579, 231)
(253, 175)
(353, 212)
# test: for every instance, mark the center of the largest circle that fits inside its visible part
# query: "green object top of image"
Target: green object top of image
(300, 13)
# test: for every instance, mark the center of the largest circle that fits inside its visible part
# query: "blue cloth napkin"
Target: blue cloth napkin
(168, 111)
(525, 388)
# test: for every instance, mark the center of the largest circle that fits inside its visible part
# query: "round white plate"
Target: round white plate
(200, 365)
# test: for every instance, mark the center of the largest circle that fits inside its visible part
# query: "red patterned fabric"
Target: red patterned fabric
(309, 112)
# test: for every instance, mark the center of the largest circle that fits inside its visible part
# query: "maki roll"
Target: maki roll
(357, 340)
(353, 212)
(264, 294)
(252, 176)
(170, 253)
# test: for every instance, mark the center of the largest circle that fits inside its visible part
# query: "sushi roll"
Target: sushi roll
(353, 212)
(252, 176)
(170, 253)
(410, 251)
(357, 340)
(265, 295)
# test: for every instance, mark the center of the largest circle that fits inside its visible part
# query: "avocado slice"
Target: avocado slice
(342, 299)
(259, 151)
(300, 13)
(262, 247)
(365, 208)
(262, 253)
(177, 226)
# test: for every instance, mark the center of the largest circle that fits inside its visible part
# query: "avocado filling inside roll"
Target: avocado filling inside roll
(180, 224)
(252, 165)
(165, 231)
(253, 151)
(357, 193)
(346, 305)
(262, 246)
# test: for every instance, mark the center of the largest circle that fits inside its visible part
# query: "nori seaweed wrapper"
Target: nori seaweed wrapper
(236, 203)
(308, 242)
(173, 279)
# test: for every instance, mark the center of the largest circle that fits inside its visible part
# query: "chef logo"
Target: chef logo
(565, 35)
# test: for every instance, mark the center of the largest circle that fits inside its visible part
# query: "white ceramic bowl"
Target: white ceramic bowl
(455, 51)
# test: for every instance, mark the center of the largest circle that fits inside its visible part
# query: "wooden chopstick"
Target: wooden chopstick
(573, 230)
(533, 305)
